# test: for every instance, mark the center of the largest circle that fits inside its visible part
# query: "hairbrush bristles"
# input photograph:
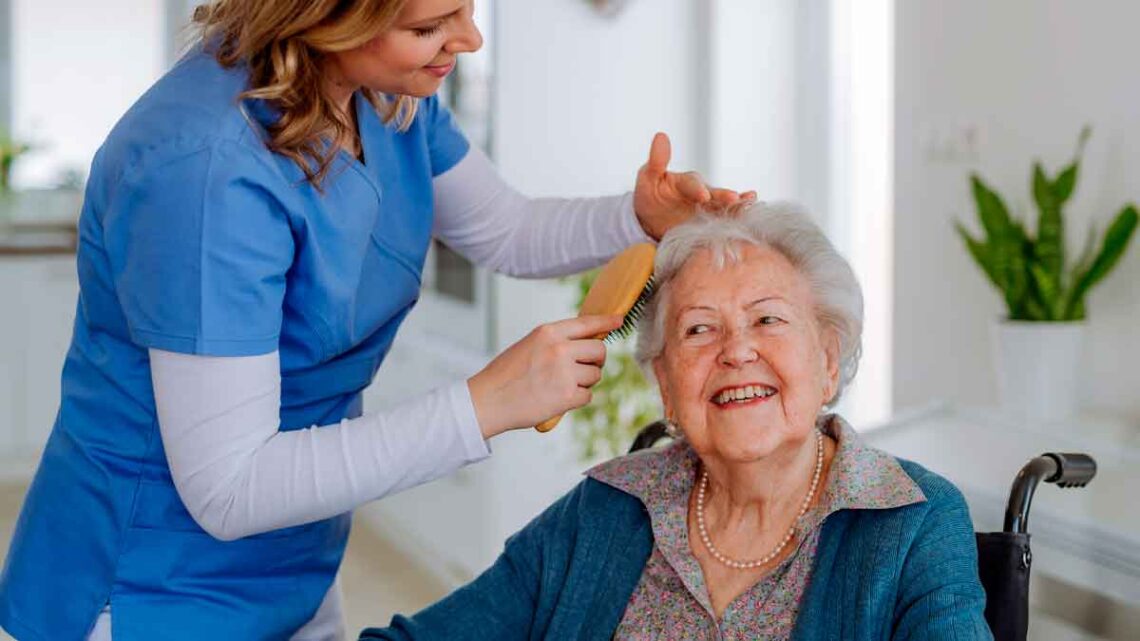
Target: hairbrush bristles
(629, 323)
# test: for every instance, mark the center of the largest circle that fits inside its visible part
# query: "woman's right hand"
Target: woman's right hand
(547, 373)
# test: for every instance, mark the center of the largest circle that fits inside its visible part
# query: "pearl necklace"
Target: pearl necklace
(747, 565)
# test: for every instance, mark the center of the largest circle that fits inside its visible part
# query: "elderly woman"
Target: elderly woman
(768, 518)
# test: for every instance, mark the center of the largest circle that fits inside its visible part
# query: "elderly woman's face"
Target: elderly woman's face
(745, 367)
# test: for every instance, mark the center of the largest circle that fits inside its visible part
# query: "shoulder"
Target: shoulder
(192, 109)
(944, 506)
(589, 508)
(643, 471)
(940, 492)
(592, 500)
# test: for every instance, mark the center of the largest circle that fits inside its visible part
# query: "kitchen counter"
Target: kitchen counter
(37, 239)
(39, 222)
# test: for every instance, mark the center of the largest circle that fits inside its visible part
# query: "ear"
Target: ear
(830, 364)
(663, 386)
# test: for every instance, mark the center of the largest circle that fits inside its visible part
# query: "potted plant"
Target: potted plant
(10, 150)
(1037, 345)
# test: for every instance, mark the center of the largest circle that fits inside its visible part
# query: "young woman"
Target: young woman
(252, 236)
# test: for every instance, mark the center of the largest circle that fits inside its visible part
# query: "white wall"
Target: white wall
(76, 67)
(578, 100)
(860, 191)
(754, 114)
(768, 120)
(1028, 73)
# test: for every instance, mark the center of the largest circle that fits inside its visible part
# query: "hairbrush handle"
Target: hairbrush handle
(549, 423)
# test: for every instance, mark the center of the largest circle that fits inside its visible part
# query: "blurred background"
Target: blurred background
(871, 113)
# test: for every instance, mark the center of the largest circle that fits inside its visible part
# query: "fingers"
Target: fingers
(691, 187)
(724, 197)
(587, 375)
(585, 326)
(581, 398)
(592, 351)
(660, 151)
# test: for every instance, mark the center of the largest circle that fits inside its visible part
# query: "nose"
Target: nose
(738, 350)
(467, 39)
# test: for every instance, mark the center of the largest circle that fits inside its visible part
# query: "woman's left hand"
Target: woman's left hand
(663, 199)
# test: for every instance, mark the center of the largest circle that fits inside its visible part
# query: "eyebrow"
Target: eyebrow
(426, 21)
(691, 308)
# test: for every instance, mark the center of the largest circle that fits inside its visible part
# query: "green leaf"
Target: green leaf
(1032, 311)
(980, 252)
(992, 212)
(1065, 183)
(1086, 257)
(1115, 243)
(1077, 312)
(1011, 261)
(1051, 302)
(1006, 246)
(1049, 250)
(1080, 268)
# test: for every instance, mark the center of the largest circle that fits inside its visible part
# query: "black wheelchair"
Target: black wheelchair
(1004, 558)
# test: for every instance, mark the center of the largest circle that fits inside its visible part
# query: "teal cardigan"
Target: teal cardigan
(904, 573)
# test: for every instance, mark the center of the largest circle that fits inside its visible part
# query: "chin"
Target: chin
(422, 92)
(743, 445)
(413, 89)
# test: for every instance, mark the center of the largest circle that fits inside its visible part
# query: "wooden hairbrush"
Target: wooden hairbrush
(622, 287)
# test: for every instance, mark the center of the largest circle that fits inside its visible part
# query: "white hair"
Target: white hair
(785, 228)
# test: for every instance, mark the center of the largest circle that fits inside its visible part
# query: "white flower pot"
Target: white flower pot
(1036, 367)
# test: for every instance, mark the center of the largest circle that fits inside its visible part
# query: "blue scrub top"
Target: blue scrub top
(195, 238)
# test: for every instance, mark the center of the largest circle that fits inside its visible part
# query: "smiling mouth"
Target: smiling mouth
(743, 395)
(440, 70)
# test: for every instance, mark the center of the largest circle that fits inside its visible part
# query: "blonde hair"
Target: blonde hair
(282, 43)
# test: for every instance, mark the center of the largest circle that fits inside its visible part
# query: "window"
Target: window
(75, 68)
(800, 108)
(457, 301)
(862, 85)
(5, 66)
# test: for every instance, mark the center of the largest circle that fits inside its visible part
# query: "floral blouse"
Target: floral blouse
(671, 600)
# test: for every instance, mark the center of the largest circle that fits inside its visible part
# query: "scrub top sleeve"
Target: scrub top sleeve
(199, 247)
(446, 143)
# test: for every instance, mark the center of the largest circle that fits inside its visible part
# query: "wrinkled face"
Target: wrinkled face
(413, 56)
(746, 368)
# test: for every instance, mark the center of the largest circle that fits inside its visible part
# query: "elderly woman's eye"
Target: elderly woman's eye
(693, 330)
(768, 320)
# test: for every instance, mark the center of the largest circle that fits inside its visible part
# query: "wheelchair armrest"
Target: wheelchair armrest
(1073, 469)
(1064, 469)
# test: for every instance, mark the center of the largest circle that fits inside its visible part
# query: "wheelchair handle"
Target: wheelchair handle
(1064, 469)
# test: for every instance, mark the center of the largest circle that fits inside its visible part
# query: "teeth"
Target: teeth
(742, 393)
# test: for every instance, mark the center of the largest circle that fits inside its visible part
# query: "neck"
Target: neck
(340, 91)
(337, 87)
(759, 494)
